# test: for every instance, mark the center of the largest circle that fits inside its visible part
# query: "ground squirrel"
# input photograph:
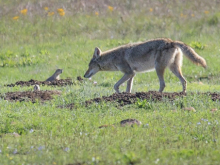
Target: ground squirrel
(56, 75)
(36, 87)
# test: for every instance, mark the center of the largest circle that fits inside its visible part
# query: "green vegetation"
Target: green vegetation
(36, 42)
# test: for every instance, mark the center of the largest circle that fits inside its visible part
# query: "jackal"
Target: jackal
(142, 57)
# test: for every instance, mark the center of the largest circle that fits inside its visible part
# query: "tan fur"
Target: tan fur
(56, 75)
(142, 57)
(36, 87)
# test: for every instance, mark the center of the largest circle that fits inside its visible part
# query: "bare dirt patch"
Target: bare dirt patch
(32, 96)
(61, 82)
(131, 98)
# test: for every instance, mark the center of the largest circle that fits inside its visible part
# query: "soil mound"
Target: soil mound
(130, 98)
(61, 82)
(30, 96)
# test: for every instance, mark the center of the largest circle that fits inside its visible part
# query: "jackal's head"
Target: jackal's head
(94, 66)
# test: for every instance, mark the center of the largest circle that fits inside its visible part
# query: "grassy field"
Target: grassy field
(36, 38)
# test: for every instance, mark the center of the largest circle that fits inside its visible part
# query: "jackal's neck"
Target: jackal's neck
(108, 59)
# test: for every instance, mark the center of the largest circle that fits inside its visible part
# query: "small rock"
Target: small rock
(130, 122)
(79, 78)
(16, 134)
(213, 110)
(13, 123)
(13, 134)
(104, 126)
(189, 109)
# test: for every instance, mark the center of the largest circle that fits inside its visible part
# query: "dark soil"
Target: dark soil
(30, 96)
(79, 78)
(130, 98)
(61, 82)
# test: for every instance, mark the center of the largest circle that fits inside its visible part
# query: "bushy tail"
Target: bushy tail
(191, 54)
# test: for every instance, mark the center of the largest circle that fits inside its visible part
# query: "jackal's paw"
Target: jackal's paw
(116, 89)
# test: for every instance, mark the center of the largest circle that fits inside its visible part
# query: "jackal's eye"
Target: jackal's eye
(92, 61)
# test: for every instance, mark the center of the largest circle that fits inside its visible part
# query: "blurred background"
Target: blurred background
(36, 37)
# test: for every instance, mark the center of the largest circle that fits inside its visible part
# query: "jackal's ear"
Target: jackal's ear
(97, 53)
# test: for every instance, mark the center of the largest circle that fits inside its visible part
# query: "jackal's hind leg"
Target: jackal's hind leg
(130, 84)
(177, 71)
(122, 80)
(160, 72)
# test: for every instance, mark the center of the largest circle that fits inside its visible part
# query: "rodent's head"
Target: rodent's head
(36, 87)
(59, 71)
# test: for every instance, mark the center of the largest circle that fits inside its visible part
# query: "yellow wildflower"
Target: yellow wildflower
(62, 13)
(97, 13)
(206, 12)
(60, 10)
(110, 8)
(50, 13)
(24, 11)
(46, 8)
(192, 15)
(151, 9)
(15, 18)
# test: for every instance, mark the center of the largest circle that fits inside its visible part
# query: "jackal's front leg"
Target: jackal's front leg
(130, 84)
(122, 80)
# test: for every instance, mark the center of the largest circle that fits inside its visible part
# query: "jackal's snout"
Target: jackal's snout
(88, 74)
(91, 71)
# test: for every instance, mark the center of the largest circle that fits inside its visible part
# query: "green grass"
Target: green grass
(33, 46)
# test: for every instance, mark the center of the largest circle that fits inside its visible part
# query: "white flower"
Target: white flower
(157, 160)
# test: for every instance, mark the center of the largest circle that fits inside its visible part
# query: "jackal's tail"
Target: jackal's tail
(191, 54)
